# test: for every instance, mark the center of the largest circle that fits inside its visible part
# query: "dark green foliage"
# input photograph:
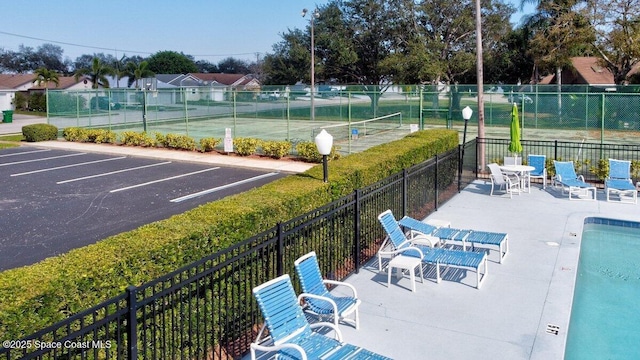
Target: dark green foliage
(39, 132)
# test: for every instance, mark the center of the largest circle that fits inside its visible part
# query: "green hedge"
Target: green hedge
(39, 295)
(39, 132)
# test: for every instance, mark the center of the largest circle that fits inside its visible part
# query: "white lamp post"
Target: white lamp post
(324, 143)
(315, 15)
(466, 115)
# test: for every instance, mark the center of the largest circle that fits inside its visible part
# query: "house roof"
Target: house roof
(13, 81)
(586, 70)
(591, 71)
(224, 79)
(64, 82)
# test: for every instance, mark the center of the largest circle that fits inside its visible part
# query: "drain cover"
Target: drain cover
(553, 329)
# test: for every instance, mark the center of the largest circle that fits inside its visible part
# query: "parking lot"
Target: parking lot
(52, 200)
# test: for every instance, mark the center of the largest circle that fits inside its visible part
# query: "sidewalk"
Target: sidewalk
(286, 165)
(20, 120)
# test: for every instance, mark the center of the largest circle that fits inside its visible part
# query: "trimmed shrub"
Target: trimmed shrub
(100, 136)
(276, 149)
(308, 151)
(245, 146)
(160, 139)
(39, 132)
(208, 144)
(40, 295)
(75, 134)
(181, 142)
(133, 138)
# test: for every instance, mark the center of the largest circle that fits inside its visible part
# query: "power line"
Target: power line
(114, 49)
(72, 44)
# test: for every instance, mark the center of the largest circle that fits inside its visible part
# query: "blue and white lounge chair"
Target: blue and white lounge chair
(540, 171)
(474, 238)
(619, 181)
(397, 243)
(317, 297)
(290, 334)
(567, 179)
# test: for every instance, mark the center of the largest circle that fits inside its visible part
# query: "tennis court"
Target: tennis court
(274, 120)
(53, 200)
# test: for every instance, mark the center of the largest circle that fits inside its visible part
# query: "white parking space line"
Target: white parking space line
(209, 191)
(25, 152)
(161, 180)
(112, 172)
(68, 166)
(41, 159)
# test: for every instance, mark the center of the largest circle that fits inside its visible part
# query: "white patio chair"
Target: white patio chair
(509, 182)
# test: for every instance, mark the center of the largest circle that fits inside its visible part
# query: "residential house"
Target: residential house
(219, 84)
(585, 71)
(10, 84)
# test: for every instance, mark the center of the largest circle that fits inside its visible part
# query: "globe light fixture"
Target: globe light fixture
(324, 143)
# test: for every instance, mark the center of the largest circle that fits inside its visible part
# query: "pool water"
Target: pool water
(605, 317)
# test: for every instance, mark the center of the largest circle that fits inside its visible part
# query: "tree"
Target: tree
(618, 27)
(289, 62)
(136, 72)
(44, 75)
(558, 34)
(205, 66)
(86, 61)
(233, 66)
(171, 62)
(97, 73)
(49, 56)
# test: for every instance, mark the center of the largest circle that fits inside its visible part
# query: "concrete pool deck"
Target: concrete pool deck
(515, 313)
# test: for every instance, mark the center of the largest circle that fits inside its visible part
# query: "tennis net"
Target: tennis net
(363, 128)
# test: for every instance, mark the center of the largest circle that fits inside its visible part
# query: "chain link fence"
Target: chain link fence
(284, 113)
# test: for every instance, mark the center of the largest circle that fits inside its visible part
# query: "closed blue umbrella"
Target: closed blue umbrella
(514, 144)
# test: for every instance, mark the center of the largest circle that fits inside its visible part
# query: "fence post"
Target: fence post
(405, 191)
(356, 235)
(280, 251)
(602, 120)
(555, 149)
(460, 152)
(132, 323)
(477, 166)
(421, 110)
(435, 184)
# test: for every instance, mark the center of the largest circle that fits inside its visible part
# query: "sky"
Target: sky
(209, 30)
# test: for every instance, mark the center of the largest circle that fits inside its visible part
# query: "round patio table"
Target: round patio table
(523, 172)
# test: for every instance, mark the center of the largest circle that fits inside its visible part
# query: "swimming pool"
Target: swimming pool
(605, 315)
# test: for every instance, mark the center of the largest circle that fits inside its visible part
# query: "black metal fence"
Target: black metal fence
(206, 310)
(590, 159)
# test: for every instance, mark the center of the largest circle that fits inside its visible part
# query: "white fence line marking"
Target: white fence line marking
(112, 172)
(68, 166)
(209, 191)
(42, 159)
(25, 152)
(161, 180)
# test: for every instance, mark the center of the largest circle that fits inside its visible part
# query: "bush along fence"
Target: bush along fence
(590, 159)
(205, 309)
(304, 150)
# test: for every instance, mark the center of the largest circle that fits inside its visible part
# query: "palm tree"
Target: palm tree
(136, 72)
(97, 74)
(44, 75)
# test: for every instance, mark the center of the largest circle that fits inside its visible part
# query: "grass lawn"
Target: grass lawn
(9, 141)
